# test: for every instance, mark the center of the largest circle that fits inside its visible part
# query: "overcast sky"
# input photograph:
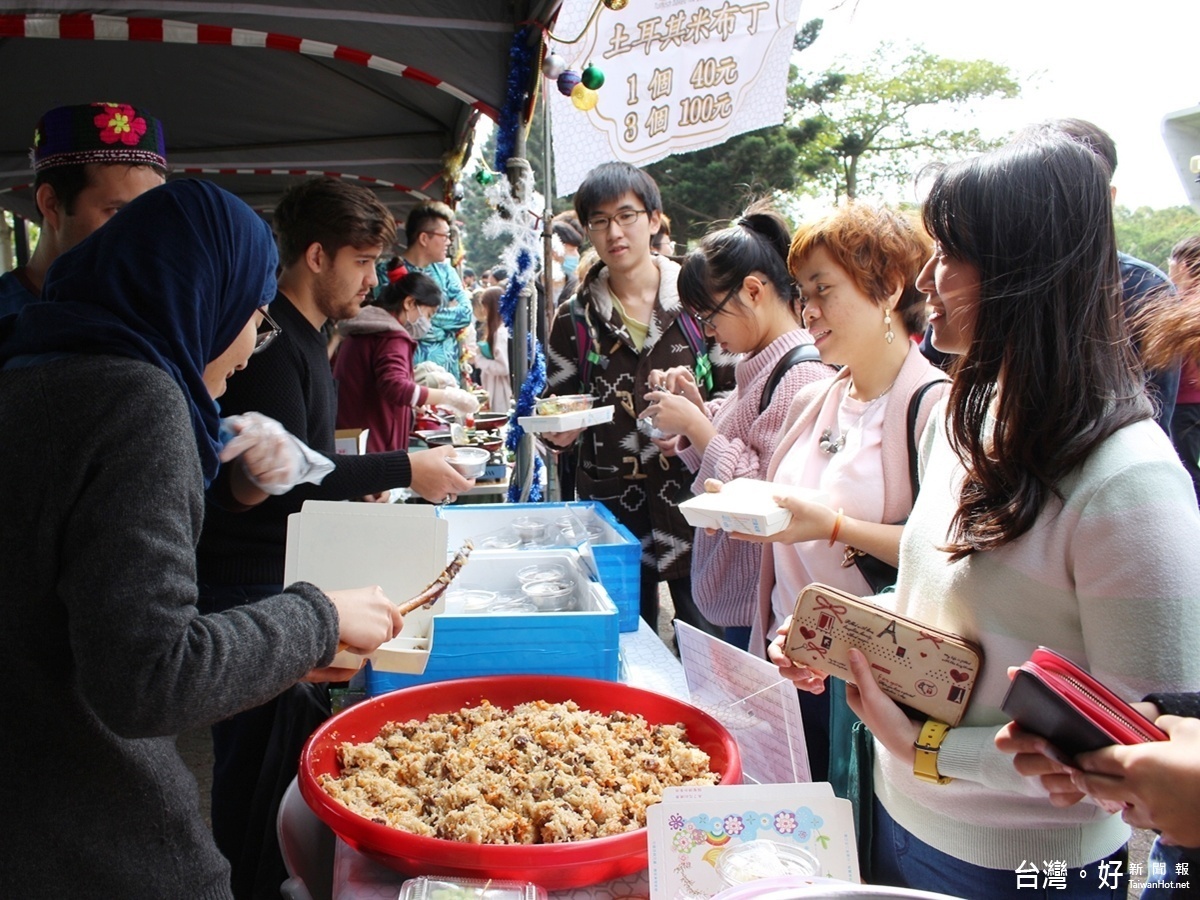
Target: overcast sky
(1122, 66)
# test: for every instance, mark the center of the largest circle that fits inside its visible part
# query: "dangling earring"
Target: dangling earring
(888, 335)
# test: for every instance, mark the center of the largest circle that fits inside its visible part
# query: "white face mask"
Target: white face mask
(420, 327)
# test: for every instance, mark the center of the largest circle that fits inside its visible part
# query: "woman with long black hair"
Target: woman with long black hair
(1052, 511)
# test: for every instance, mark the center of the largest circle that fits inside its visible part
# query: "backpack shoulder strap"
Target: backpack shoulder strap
(798, 354)
(585, 343)
(914, 413)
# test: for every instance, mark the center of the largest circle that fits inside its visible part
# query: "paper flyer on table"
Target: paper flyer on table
(693, 826)
(750, 698)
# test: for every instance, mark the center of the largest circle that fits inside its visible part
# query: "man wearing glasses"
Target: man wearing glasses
(428, 230)
(626, 320)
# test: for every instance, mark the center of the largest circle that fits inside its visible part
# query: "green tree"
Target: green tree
(481, 251)
(1149, 234)
(746, 166)
(870, 119)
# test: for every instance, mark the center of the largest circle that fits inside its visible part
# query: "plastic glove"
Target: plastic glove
(460, 400)
(275, 461)
(431, 375)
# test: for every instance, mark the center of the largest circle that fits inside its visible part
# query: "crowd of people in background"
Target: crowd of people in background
(983, 414)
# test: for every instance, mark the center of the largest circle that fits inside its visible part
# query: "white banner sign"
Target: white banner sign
(679, 75)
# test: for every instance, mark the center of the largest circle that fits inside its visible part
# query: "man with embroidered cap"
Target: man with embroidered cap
(89, 161)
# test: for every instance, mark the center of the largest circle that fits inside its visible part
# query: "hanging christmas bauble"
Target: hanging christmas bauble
(567, 81)
(616, 5)
(584, 97)
(553, 65)
(484, 177)
(592, 78)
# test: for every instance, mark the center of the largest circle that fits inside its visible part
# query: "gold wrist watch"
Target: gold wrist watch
(927, 744)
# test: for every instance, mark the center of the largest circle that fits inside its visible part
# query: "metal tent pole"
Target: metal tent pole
(517, 166)
(553, 489)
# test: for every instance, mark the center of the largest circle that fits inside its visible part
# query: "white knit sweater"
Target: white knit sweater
(1109, 576)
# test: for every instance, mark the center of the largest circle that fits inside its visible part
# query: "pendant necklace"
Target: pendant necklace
(831, 445)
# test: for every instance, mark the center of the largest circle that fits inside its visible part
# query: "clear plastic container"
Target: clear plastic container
(753, 860)
(529, 529)
(434, 887)
(567, 403)
(541, 572)
(549, 596)
(472, 602)
(501, 541)
(470, 462)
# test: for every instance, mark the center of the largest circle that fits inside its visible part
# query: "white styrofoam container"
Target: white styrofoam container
(567, 421)
(401, 548)
(745, 505)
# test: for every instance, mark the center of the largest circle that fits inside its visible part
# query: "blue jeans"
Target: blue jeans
(900, 860)
(739, 636)
(1167, 864)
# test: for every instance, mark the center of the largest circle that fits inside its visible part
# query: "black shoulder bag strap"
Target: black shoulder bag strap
(914, 412)
(798, 354)
(881, 576)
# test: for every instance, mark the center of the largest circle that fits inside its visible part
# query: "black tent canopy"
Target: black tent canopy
(255, 95)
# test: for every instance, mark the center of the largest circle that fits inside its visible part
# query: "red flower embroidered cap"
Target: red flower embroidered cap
(98, 133)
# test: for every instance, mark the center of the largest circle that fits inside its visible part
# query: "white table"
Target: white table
(646, 662)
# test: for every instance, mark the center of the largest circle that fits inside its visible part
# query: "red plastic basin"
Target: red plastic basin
(554, 866)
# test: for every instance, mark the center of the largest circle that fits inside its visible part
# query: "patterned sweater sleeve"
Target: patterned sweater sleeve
(1185, 704)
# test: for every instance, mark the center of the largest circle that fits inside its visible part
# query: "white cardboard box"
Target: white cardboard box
(399, 547)
(350, 441)
(567, 421)
(744, 504)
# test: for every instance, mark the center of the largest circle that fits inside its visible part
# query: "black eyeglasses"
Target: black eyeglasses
(624, 218)
(267, 331)
(707, 321)
(441, 234)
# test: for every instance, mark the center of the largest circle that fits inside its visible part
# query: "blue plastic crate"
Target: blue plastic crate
(583, 642)
(616, 553)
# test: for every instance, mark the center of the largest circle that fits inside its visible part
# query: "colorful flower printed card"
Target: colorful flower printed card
(694, 826)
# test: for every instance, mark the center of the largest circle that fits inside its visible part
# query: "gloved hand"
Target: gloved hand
(274, 460)
(463, 401)
(431, 375)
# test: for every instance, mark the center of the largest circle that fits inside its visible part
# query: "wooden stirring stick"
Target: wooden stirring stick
(435, 588)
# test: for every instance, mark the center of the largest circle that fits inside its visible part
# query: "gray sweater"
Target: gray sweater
(104, 656)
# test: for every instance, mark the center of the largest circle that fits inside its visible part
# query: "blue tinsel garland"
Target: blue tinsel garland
(520, 70)
(534, 384)
(512, 291)
(521, 56)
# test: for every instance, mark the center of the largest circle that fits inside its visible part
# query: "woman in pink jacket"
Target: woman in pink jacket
(846, 440)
